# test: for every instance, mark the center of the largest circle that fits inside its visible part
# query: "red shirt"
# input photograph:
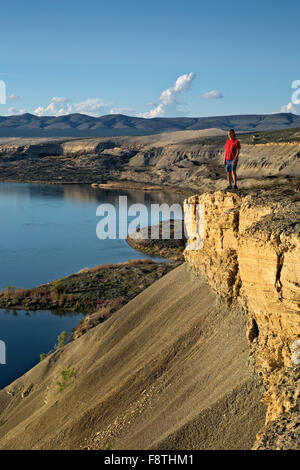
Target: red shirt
(231, 149)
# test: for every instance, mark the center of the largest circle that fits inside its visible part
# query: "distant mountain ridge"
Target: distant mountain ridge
(81, 125)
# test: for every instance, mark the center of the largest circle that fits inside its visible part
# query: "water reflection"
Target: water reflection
(32, 313)
(27, 334)
(49, 231)
(85, 193)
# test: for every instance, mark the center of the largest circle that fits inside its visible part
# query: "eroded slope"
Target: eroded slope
(169, 370)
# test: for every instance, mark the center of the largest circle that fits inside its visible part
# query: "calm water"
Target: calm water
(28, 334)
(47, 232)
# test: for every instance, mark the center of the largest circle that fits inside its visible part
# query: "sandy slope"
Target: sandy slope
(167, 138)
(169, 370)
(73, 144)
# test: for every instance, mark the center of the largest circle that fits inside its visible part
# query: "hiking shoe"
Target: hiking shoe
(235, 186)
(229, 187)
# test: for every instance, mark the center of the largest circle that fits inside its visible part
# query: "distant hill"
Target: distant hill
(81, 125)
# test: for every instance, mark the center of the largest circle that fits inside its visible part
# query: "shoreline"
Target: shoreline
(96, 292)
(62, 294)
(127, 185)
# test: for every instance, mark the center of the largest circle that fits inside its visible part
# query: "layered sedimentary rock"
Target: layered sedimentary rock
(251, 256)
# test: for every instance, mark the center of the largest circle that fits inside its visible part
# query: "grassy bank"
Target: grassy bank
(99, 291)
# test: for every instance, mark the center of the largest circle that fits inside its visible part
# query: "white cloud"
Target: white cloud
(159, 110)
(168, 97)
(213, 95)
(13, 97)
(294, 105)
(183, 83)
(291, 108)
(60, 106)
(14, 111)
(53, 109)
(91, 106)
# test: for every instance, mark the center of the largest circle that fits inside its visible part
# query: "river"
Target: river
(47, 232)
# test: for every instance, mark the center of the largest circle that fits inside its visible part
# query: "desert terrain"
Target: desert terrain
(202, 357)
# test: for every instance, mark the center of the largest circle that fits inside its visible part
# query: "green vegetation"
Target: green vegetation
(66, 375)
(260, 137)
(62, 337)
(58, 286)
(284, 135)
(106, 445)
(9, 290)
(43, 356)
(61, 341)
(106, 287)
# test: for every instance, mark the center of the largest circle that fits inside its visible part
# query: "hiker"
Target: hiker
(232, 150)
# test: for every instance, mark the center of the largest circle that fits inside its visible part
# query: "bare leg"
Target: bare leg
(234, 177)
(229, 178)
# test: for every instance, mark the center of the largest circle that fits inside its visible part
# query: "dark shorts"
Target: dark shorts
(230, 166)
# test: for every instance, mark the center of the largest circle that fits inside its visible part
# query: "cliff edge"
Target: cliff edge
(251, 257)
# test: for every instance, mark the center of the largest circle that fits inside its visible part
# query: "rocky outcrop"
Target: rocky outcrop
(251, 256)
(30, 150)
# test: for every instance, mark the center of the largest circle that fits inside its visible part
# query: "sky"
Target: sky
(150, 59)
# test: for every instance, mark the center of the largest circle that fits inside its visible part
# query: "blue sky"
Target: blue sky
(158, 58)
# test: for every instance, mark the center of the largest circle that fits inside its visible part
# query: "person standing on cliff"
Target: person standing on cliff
(232, 150)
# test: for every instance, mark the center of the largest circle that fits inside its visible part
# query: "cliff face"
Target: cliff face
(251, 256)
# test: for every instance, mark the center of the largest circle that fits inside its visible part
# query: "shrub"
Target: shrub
(43, 356)
(66, 375)
(62, 339)
(106, 445)
(9, 290)
(58, 286)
